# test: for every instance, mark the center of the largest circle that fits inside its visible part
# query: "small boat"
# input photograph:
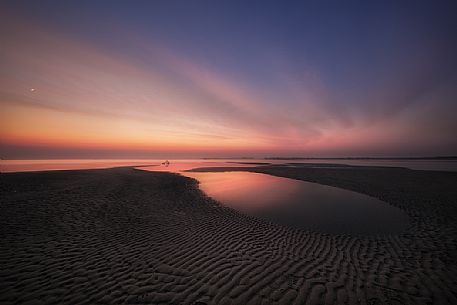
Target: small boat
(166, 163)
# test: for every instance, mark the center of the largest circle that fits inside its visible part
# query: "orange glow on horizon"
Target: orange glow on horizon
(66, 93)
(60, 129)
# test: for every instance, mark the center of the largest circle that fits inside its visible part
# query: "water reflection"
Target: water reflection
(302, 204)
(286, 201)
(7, 166)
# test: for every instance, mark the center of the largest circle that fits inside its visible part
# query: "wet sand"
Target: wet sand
(126, 236)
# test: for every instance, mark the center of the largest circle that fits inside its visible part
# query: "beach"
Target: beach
(128, 236)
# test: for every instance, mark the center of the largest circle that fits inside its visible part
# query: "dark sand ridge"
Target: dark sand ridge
(125, 236)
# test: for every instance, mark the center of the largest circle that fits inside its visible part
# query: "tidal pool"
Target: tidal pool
(301, 204)
(293, 203)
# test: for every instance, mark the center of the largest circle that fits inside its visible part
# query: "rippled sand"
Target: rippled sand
(126, 236)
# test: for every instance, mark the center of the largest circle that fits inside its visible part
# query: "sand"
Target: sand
(126, 236)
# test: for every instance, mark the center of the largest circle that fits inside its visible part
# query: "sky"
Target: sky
(188, 79)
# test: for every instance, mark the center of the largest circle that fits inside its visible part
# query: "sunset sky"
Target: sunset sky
(153, 79)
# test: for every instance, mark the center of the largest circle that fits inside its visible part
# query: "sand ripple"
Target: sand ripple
(125, 236)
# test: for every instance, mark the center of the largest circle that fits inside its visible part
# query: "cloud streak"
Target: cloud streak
(92, 97)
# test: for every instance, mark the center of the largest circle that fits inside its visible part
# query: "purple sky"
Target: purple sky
(152, 79)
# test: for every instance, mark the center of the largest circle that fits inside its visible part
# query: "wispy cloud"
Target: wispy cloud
(86, 94)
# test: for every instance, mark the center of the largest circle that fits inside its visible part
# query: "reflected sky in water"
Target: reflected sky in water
(294, 203)
(301, 204)
(289, 202)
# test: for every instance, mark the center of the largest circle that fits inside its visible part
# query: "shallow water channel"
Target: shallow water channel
(296, 203)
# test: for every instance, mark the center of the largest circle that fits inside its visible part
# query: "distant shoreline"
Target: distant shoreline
(447, 158)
